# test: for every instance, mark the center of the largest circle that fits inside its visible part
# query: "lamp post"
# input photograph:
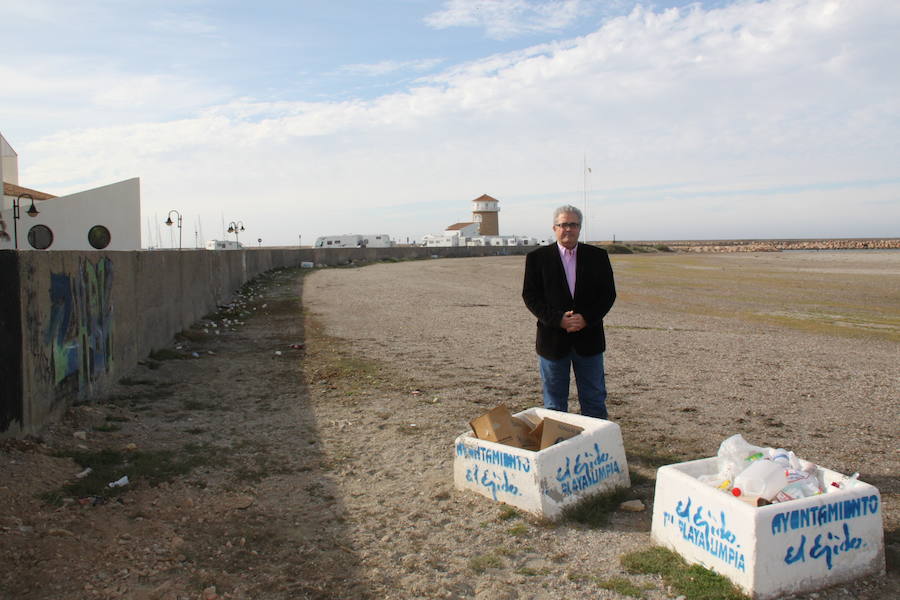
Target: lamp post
(31, 212)
(235, 228)
(169, 223)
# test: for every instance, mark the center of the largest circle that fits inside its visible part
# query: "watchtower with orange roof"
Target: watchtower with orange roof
(485, 212)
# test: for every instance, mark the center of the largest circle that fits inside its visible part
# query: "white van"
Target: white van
(380, 240)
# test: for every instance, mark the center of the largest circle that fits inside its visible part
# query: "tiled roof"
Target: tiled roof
(10, 189)
(485, 198)
(456, 226)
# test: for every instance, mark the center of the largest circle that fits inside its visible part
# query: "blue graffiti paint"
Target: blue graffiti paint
(588, 469)
(495, 457)
(492, 480)
(707, 531)
(827, 548)
(816, 516)
(61, 334)
(80, 329)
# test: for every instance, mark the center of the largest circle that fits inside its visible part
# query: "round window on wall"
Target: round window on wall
(98, 237)
(40, 237)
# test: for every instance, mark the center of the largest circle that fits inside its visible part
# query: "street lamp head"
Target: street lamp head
(170, 222)
(32, 210)
(230, 229)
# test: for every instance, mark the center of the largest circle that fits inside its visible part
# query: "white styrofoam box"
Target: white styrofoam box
(769, 551)
(543, 483)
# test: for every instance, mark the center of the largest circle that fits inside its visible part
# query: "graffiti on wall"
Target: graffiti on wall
(80, 331)
(828, 544)
(708, 530)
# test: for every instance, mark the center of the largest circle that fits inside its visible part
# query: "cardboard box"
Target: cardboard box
(528, 431)
(499, 425)
(495, 425)
(770, 551)
(554, 431)
(544, 482)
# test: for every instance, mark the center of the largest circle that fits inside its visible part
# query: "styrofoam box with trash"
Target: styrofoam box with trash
(773, 523)
(540, 460)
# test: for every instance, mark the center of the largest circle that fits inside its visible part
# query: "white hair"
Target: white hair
(568, 208)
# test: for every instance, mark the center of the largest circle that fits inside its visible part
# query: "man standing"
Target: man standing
(569, 287)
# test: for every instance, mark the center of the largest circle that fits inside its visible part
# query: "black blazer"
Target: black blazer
(546, 294)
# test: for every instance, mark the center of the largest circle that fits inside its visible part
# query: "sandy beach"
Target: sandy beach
(327, 466)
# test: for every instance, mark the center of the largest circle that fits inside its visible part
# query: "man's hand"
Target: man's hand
(572, 322)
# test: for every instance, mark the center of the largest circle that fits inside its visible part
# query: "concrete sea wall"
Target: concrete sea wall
(779, 245)
(72, 323)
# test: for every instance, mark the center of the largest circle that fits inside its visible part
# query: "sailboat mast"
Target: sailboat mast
(585, 172)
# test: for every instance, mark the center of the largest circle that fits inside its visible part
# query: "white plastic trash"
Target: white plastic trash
(771, 551)
(763, 478)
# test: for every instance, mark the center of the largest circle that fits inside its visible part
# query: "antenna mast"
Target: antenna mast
(585, 210)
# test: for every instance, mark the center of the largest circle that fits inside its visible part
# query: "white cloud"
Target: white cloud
(504, 19)
(386, 67)
(715, 121)
(55, 93)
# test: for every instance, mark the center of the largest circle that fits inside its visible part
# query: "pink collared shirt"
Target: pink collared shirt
(568, 260)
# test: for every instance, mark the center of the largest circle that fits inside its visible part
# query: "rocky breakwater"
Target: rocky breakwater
(779, 245)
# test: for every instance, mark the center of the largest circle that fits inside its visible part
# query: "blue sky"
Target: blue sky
(698, 120)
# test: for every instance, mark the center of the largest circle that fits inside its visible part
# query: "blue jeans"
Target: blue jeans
(590, 380)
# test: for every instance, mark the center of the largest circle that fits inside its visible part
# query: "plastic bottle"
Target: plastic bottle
(801, 484)
(762, 478)
(786, 458)
(781, 456)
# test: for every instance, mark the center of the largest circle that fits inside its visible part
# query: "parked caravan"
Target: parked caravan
(339, 241)
(355, 241)
(381, 240)
(223, 245)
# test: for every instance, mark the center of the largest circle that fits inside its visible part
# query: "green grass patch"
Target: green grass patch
(167, 354)
(621, 586)
(595, 511)
(482, 562)
(518, 530)
(149, 467)
(507, 512)
(693, 582)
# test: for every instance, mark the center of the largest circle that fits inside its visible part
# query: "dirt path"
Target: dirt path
(325, 471)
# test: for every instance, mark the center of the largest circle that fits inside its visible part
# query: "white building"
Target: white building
(482, 230)
(223, 245)
(380, 240)
(103, 218)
